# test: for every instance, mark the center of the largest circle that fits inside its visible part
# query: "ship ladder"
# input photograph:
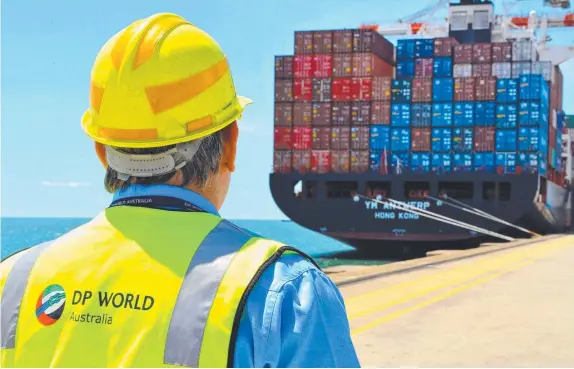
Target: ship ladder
(469, 209)
(429, 214)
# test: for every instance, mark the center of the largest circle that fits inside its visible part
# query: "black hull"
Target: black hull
(364, 224)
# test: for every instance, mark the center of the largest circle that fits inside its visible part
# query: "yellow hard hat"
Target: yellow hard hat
(160, 81)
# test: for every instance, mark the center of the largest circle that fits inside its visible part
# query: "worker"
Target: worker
(159, 278)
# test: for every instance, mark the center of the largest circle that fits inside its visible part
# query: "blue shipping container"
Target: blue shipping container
(529, 139)
(506, 140)
(531, 162)
(401, 89)
(441, 140)
(506, 115)
(380, 161)
(506, 162)
(531, 113)
(442, 89)
(463, 139)
(380, 137)
(400, 139)
(405, 68)
(405, 49)
(421, 115)
(399, 162)
(424, 48)
(485, 114)
(441, 163)
(420, 162)
(442, 66)
(484, 162)
(442, 114)
(462, 162)
(534, 87)
(507, 90)
(464, 114)
(559, 121)
(400, 115)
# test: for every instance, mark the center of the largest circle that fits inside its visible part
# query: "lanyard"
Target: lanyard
(158, 202)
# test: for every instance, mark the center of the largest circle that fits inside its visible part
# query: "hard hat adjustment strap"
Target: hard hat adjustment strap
(149, 165)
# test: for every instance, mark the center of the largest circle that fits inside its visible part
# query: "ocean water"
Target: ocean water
(19, 233)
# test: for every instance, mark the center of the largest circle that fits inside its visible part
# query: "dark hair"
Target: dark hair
(205, 162)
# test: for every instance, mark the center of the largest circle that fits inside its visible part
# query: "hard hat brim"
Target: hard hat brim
(244, 101)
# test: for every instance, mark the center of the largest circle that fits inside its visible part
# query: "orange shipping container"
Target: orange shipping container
(321, 161)
(282, 161)
(283, 114)
(302, 114)
(340, 161)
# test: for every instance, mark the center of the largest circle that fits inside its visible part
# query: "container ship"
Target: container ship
(471, 110)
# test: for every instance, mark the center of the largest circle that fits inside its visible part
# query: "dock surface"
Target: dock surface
(513, 307)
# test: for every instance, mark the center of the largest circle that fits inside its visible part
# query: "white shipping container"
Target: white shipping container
(545, 68)
(523, 50)
(462, 70)
(519, 68)
(502, 70)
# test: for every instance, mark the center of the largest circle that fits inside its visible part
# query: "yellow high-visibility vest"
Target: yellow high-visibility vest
(134, 287)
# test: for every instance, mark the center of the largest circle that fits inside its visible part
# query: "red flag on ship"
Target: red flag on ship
(384, 169)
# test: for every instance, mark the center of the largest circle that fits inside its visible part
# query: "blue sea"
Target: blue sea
(19, 233)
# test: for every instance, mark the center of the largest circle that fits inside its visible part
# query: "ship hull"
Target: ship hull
(366, 224)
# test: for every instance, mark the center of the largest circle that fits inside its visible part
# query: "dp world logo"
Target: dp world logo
(50, 305)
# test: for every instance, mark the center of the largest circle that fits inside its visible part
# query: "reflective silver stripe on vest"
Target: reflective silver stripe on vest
(14, 293)
(197, 293)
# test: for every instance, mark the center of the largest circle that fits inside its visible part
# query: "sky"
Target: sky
(49, 167)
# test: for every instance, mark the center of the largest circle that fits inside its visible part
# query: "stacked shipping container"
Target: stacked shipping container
(343, 103)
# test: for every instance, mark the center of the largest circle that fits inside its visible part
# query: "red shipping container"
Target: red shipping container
(482, 53)
(322, 42)
(360, 138)
(421, 139)
(485, 88)
(501, 52)
(381, 88)
(322, 66)
(482, 70)
(321, 138)
(343, 41)
(484, 139)
(302, 161)
(284, 66)
(282, 161)
(340, 161)
(302, 138)
(462, 53)
(361, 88)
(303, 66)
(368, 65)
(369, 41)
(360, 113)
(283, 90)
(321, 161)
(341, 89)
(444, 46)
(303, 42)
(302, 114)
(321, 114)
(340, 138)
(424, 67)
(341, 114)
(282, 138)
(464, 89)
(360, 161)
(321, 89)
(551, 140)
(342, 65)
(381, 113)
(303, 89)
(556, 89)
(283, 114)
(422, 89)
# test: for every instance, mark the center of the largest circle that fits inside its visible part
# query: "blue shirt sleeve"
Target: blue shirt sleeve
(294, 317)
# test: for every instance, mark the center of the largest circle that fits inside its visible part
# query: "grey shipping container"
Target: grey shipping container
(519, 68)
(502, 70)
(481, 70)
(523, 50)
(545, 68)
(321, 114)
(462, 70)
(282, 161)
(321, 89)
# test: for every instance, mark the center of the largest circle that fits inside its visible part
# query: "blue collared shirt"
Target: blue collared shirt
(294, 317)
